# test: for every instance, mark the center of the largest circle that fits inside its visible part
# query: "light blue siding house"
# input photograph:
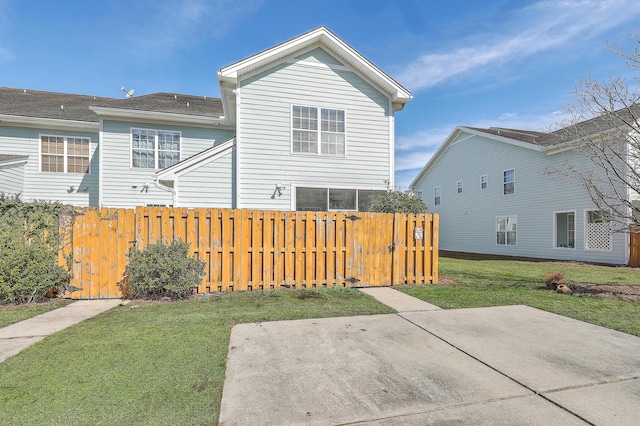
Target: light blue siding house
(494, 194)
(305, 125)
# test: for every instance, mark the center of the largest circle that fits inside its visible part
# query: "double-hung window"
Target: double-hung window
(459, 187)
(565, 230)
(509, 181)
(436, 196)
(506, 230)
(319, 131)
(154, 149)
(484, 181)
(64, 154)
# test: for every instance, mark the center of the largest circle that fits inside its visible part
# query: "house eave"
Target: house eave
(49, 123)
(155, 116)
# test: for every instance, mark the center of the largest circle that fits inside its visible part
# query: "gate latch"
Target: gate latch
(392, 246)
(352, 280)
(353, 217)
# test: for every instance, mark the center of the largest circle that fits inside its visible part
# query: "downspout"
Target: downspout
(174, 195)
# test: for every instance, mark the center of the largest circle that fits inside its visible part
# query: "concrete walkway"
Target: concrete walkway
(16, 337)
(501, 365)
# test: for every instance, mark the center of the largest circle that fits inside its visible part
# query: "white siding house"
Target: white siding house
(305, 125)
(494, 194)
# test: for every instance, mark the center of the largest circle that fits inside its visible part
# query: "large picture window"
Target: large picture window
(64, 154)
(308, 137)
(506, 230)
(154, 149)
(333, 199)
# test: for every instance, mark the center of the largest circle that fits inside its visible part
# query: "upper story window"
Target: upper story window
(318, 131)
(484, 181)
(509, 181)
(459, 187)
(64, 154)
(436, 196)
(154, 149)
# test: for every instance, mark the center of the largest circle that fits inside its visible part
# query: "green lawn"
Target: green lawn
(11, 314)
(154, 364)
(500, 282)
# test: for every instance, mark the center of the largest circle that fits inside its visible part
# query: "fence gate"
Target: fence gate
(256, 249)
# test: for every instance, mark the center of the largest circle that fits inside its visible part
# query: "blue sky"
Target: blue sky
(476, 63)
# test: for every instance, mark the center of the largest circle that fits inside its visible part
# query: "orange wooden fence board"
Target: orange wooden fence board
(255, 249)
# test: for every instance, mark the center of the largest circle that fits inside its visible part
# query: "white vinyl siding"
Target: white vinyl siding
(80, 189)
(12, 179)
(126, 186)
(266, 152)
(468, 224)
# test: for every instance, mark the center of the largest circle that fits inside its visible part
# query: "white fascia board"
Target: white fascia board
(321, 37)
(14, 162)
(572, 144)
(49, 123)
(155, 116)
(195, 161)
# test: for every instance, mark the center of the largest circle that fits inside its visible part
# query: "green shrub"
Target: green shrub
(29, 244)
(397, 202)
(162, 270)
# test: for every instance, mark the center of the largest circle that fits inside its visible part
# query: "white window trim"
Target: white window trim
(318, 132)
(495, 235)
(65, 155)
(586, 234)
(555, 229)
(155, 146)
(514, 181)
(486, 181)
(439, 188)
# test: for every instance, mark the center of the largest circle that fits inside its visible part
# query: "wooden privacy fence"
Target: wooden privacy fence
(255, 249)
(634, 248)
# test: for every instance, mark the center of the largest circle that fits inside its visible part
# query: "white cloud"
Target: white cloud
(169, 24)
(542, 26)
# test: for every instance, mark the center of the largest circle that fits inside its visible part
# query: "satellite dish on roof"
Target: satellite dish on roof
(128, 93)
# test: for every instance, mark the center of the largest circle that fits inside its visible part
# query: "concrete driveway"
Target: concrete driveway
(500, 365)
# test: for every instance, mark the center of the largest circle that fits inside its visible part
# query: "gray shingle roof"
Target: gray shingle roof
(35, 103)
(170, 103)
(529, 136)
(66, 106)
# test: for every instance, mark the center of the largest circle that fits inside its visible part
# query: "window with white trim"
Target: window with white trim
(509, 181)
(484, 181)
(326, 139)
(565, 225)
(64, 154)
(597, 231)
(154, 149)
(459, 187)
(436, 196)
(506, 230)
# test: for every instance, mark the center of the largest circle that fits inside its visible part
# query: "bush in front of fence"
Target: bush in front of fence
(161, 270)
(29, 243)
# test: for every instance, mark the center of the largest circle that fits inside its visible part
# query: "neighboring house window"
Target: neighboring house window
(484, 180)
(326, 139)
(598, 231)
(459, 187)
(154, 149)
(63, 154)
(509, 181)
(333, 199)
(419, 194)
(436, 196)
(565, 230)
(506, 230)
